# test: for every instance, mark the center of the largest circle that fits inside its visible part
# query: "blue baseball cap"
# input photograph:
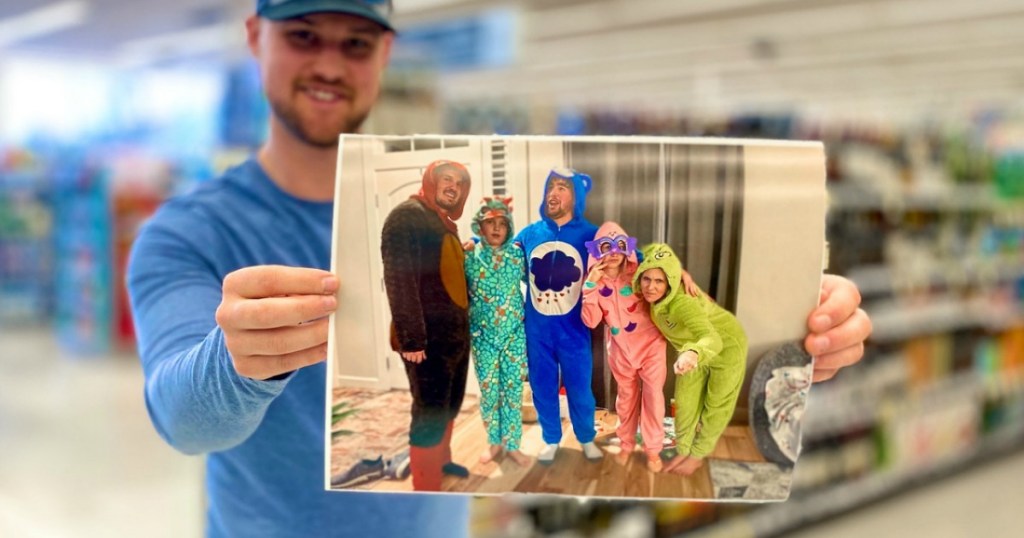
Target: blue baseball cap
(377, 11)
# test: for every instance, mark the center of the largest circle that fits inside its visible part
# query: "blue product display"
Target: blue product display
(84, 267)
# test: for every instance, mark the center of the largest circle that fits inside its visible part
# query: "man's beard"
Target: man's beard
(443, 204)
(291, 121)
(557, 213)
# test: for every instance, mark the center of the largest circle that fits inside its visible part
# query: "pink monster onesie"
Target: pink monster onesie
(637, 348)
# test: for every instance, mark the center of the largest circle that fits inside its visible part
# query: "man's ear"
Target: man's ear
(252, 34)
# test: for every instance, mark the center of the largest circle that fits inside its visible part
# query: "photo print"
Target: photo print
(615, 317)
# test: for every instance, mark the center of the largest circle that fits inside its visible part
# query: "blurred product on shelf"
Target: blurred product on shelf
(26, 239)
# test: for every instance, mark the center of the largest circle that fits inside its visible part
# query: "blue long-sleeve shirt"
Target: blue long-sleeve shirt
(264, 440)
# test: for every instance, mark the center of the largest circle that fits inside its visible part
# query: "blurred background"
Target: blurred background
(108, 107)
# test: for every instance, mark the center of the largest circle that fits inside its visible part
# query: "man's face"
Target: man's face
(494, 230)
(321, 72)
(653, 285)
(449, 188)
(559, 200)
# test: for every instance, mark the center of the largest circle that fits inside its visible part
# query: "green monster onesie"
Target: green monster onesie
(708, 393)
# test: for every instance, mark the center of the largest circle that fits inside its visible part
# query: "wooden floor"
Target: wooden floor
(571, 473)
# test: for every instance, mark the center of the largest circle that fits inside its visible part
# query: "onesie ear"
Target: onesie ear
(586, 181)
(508, 202)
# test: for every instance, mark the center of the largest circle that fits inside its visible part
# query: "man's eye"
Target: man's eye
(357, 47)
(302, 38)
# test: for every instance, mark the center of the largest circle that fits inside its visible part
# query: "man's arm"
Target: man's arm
(196, 397)
(400, 252)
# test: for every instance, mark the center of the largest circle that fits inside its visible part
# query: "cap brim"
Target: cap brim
(290, 10)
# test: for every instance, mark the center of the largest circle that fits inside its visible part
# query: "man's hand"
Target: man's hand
(274, 318)
(414, 357)
(838, 328)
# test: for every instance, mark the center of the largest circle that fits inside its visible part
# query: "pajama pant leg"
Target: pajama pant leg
(689, 394)
(652, 415)
(577, 369)
(434, 387)
(486, 363)
(723, 389)
(543, 372)
(511, 369)
(627, 402)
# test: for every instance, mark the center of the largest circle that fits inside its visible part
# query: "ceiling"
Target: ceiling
(886, 58)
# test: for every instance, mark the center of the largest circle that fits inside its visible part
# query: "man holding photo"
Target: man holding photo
(225, 280)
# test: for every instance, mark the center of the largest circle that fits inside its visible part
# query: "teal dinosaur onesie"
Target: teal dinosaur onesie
(708, 393)
(497, 335)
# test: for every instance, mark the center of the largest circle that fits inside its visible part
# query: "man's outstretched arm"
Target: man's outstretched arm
(207, 386)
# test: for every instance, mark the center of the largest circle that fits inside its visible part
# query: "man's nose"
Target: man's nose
(329, 64)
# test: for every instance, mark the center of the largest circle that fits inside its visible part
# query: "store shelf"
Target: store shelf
(976, 271)
(945, 197)
(899, 319)
(802, 509)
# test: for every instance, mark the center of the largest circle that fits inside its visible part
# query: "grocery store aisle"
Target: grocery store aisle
(78, 456)
(984, 500)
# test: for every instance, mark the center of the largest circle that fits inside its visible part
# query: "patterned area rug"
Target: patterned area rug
(379, 425)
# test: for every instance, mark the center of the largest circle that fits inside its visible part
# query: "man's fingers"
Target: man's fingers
(264, 367)
(840, 300)
(274, 312)
(823, 375)
(837, 359)
(853, 331)
(276, 280)
(281, 341)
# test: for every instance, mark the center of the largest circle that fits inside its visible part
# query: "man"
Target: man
(231, 317)
(557, 341)
(426, 287)
(222, 286)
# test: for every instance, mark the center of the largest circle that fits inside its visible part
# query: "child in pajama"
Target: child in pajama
(712, 356)
(495, 270)
(636, 350)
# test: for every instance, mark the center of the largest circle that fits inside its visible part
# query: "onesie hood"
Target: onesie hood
(494, 207)
(581, 184)
(611, 232)
(661, 256)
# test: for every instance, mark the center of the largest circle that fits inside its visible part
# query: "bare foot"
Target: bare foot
(674, 462)
(689, 466)
(521, 459)
(622, 457)
(654, 463)
(491, 453)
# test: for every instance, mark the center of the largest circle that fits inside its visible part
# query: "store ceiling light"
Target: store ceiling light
(43, 21)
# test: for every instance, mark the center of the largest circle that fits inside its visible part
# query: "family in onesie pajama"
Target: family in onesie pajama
(712, 359)
(494, 273)
(636, 350)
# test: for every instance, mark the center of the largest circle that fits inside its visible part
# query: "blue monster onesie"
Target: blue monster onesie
(556, 338)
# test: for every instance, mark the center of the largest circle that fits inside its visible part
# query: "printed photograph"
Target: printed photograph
(615, 317)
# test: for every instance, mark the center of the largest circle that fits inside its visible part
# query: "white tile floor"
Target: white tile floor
(79, 458)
